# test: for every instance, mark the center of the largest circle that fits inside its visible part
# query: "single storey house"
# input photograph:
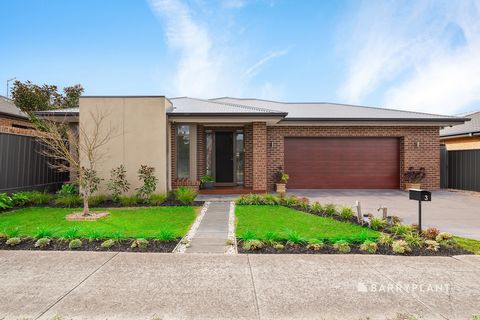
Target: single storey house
(242, 143)
(12, 119)
(463, 137)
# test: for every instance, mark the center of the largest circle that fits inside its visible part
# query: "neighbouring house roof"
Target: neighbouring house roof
(288, 111)
(7, 107)
(471, 127)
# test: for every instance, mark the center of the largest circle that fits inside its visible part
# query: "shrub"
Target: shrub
(291, 201)
(185, 195)
(108, 243)
(271, 200)
(43, 233)
(166, 235)
(432, 245)
(206, 178)
(252, 245)
(67, 189)
(95, 201)
(128, 201)
(330, 209)
(346, 213)
(369, 246)
(40, 198)
(13, 241)
(385, 239)
(293, 238)
(21, 199)
(243, 200)
(342, 246)
(279, 246)
(315, 244)
(71, 233)
(75, 244)
(413, 175)
(316, 207)
(413, 239)
(377, 223)
(118, 183)
(248, 235)
(12, 233)
(68, 200)
(442, 236)
(6, 201)
(400, 247)
(304, 203)
(140, 243)
(401, 229)
(94, 234)
(271, 237)
(431, 233)
(157, 199)
(146, 175)
(42, 242)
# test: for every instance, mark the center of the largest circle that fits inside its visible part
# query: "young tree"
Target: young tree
(30, 97)
(63, 145)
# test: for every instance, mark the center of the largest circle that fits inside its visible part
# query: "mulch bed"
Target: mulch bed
(91, 245)
(355, 249)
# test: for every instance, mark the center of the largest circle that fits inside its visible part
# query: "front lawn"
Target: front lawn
(121, 223)
(469, 244)
(261, 220)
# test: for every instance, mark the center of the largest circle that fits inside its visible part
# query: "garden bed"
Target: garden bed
(355, 249)
(122, 245)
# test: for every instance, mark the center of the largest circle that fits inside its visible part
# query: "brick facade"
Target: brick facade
(6, 121)
(427, 154)
(264, 149)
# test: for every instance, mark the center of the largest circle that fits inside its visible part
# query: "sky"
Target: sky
(414, 55)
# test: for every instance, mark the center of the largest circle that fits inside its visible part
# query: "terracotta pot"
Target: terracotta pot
(281, 187)
(409, 185)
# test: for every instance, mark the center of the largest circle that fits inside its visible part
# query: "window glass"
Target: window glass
(209, 151)
(239, 155)
(183, 151)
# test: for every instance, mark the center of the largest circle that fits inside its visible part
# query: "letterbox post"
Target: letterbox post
(420, 196)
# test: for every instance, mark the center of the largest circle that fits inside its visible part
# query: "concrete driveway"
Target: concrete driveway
(108, 285)
(455, 212)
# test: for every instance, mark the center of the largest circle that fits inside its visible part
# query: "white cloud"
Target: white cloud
(209, 63)
(421, 56)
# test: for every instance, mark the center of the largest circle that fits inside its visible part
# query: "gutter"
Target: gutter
(227, 114)
(461, 135)
(444, 120)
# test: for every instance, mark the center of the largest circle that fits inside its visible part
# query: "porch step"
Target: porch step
(211, 235)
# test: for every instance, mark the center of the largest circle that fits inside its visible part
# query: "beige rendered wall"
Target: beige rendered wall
(465, 143)
(140, 136)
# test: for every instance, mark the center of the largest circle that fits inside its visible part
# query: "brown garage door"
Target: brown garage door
(343, 163)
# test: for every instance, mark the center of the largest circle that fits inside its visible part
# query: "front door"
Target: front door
(224, 157)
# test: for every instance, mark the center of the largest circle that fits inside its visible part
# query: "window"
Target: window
(209, 150)
(239, 154)
(183, 151)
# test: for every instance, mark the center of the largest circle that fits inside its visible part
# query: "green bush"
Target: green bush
(75, 244)
(271, 237)
(291, 201)
(128, 201)
(252, 245)
(377, 224)
(42, 242)
(432, 245)
(140, 243)
(166, 235)
(71, 233)
(315, 244)
(293, 238)
(342, 246)
(369, 246)
(67, 189)
(270, 199)
(400, 247)
(96, 201)
(248, 235)
(12, 233)
(43, 233)
(413, 239)
(330, 209)
(118, 182)
(400, 229)
(40, 198)
(147, 176)
(346, 213)
(108, 243)
(185, 195)
(6, 201)
(385, 239)
(68, 200)
(157, 199)
(93, 234)
(316, 207)
(13, 241)
(21, 199)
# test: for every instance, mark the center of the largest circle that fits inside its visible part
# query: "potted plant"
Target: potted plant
(413, 177)
(207, 182)
(281, 180)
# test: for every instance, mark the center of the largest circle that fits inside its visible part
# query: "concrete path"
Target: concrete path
(212, 234)
(99, 285)
(455, 212)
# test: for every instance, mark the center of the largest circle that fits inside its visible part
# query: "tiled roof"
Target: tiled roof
(9, 108)
(472, 126)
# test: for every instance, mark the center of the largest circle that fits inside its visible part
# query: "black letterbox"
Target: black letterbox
(420, 195)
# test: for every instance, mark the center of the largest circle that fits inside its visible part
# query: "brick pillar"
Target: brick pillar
(259, 156)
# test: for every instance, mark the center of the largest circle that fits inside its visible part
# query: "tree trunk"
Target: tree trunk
(86, 208)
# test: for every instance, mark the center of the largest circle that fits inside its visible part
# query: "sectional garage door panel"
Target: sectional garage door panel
(343, 163)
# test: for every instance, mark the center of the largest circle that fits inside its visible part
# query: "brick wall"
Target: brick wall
(427, 155)
(6, 121)
(259, 163)
(201, 152)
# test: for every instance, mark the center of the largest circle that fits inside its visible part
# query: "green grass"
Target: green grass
(122, 222)
(263, 220)
(469, 244)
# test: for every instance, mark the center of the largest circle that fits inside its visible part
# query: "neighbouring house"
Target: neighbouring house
(460, 155)
(242, 143)
(12, 119)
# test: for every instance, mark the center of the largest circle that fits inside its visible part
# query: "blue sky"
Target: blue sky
(416, 55)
